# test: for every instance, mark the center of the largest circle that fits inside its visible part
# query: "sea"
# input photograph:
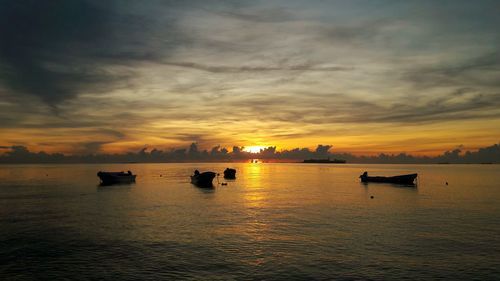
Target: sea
(276, 221)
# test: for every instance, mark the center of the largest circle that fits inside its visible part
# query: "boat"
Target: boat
(108, 178)
(400, 179)
(203, 179)
(325, 161)
(230, 173)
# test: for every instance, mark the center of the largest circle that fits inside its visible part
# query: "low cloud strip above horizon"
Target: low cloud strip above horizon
(87, 76)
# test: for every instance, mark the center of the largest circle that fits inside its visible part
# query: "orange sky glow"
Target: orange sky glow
(366, 79)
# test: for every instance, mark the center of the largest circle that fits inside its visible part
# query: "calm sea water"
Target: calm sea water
(275, 221)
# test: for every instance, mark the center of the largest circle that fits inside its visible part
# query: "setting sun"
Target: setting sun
(254, 149)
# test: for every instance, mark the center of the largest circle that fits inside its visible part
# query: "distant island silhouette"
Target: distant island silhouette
(21, 154)
(325, 161)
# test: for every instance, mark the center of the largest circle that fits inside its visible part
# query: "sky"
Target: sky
(81, 77)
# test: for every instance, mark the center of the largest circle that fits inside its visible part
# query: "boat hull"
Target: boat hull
(230, 174)
(204, 179)
(108, 178)
(402, 179)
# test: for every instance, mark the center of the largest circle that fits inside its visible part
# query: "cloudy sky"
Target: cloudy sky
(364, 76)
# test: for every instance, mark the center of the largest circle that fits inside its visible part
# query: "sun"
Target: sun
(253, 149)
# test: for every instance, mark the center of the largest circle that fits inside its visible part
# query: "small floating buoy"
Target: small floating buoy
(160, 175)
(446, 183)
(371, 197)
(46, 175)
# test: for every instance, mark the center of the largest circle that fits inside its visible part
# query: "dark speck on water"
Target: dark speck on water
(277, 221)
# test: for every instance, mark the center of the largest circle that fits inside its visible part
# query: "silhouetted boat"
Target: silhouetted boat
(116, 177)
(203, 179)
(230, 173)
(401, 179)
(324, 161)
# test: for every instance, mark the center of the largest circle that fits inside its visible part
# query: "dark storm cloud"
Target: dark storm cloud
(57, 49)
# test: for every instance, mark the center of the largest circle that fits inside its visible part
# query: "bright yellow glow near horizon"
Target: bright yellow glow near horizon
(254, 149)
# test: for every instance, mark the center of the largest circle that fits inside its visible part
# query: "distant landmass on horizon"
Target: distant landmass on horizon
(21, 154)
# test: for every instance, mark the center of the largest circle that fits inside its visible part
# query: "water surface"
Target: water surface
(275, 221)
